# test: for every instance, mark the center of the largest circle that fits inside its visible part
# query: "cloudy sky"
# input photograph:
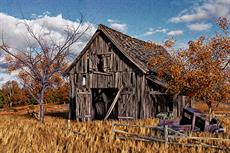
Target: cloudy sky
(153, 20)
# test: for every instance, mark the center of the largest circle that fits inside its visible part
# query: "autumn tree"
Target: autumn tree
(41, 64)
(58, 94)
(201, 71)
(12, 94)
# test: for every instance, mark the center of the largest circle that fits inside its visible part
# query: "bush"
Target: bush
(1, 99)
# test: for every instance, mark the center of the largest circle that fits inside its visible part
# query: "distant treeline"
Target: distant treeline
(12, 94)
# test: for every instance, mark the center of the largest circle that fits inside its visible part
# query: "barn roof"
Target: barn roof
(137, 51)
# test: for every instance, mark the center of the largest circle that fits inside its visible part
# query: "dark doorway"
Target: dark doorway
(100, 65)
(165, 103)
(162, 103)
(102, 99)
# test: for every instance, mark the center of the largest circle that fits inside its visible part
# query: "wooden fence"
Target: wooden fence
(164, 135)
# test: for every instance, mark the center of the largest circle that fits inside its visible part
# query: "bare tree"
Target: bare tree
(42, 62)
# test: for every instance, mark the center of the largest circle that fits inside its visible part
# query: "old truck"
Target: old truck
(193, 120)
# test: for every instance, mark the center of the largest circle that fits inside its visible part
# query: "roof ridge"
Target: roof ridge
(102, 26)
(135, 48)
(107, 31)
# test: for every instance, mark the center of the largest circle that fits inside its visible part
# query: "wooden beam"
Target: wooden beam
(121, 49)
(106, 54)
(157, 93)
(126, 117)
(84, 116)
(101, 73)
(81, 53)
(113, 104)
(143, 104)
(72, 103)
(157, 82)
(127, 102)
(83, 93)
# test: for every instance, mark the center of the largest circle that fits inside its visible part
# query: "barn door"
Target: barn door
(102, 98)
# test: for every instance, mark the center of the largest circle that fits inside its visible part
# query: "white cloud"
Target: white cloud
(115, 24)
(4, 77)
(112, 21)
(199, 26)
(175, 33)
(15, 34)
(207, 9)
(119, 27)
(152, 31)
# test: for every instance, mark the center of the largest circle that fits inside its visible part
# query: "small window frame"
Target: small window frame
(83, 83)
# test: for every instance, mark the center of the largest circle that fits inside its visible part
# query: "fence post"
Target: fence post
(166, 137)
(68, 125)
(166, 134)
(113, 130)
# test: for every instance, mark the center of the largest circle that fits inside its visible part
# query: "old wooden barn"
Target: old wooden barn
(110, 78)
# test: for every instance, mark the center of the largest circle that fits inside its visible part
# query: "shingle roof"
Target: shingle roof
(136, 49)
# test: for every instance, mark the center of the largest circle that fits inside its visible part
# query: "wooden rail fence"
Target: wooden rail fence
(167, 136)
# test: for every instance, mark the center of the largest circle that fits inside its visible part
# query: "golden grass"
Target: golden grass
(222, 107)
(23, 110)
(22, 134)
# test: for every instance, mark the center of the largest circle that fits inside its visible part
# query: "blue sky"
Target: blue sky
(154, 20)
(138, 15)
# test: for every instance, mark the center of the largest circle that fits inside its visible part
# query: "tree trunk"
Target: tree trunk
(41, 107)
(42, 112)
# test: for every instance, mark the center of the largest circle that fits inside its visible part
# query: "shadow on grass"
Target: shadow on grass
(63, 115)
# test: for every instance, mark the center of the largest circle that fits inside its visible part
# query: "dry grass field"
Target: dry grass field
(21, 133)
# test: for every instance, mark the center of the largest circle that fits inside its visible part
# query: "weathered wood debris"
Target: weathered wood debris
(165, 135)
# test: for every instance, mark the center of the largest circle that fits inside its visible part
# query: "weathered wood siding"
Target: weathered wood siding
(118, 71)
(135, 100)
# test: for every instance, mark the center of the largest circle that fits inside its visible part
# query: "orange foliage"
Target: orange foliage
(60, 94)
(200, 71)
(13, 94)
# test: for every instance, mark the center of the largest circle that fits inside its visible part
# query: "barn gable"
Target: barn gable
(134, 49)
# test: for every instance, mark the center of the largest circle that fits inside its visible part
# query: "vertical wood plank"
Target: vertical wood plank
(143, 95)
